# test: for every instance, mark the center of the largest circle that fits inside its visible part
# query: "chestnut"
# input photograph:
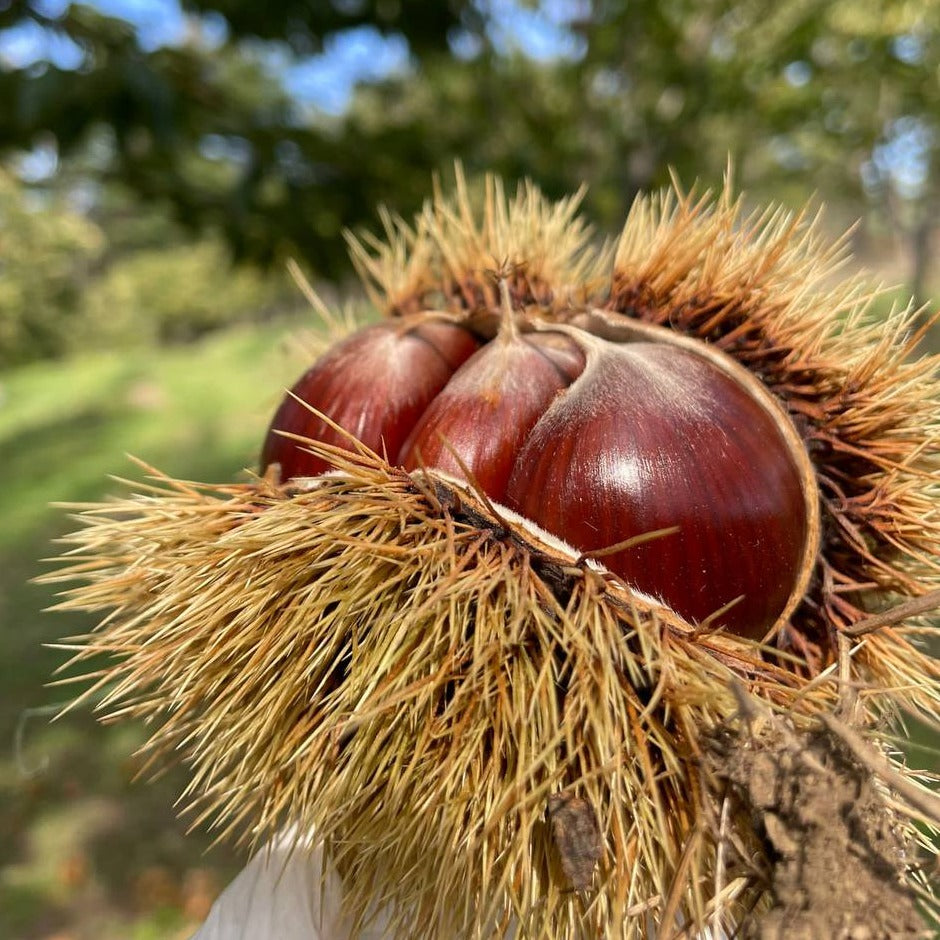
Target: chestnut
(596, 439)
(483, 415)
(374, 384)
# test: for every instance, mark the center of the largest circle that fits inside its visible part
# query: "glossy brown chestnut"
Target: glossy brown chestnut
(483, 415)
(597, 439)
(375, 384)
(652, 437)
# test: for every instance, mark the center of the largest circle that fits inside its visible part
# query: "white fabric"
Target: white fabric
(284, 893)
(280, 896)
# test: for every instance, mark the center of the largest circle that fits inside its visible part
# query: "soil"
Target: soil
(833, 855)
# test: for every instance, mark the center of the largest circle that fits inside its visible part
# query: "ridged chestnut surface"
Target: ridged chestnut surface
(597, 439)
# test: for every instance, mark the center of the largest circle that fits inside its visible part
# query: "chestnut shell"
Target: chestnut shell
(651, 438)
(374, 385)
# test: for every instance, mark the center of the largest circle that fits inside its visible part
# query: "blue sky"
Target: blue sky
(324, 81)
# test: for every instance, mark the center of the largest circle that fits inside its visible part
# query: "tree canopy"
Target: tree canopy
(841, 98)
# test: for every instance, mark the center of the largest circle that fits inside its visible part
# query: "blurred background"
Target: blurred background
(162, 160)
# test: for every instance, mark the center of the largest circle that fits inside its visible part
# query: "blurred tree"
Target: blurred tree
(840, 97)
(67, 283)
(209, 127)
(46, 256)
(426, 24)
(172, 294)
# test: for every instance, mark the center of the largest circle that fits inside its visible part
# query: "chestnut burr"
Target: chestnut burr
(498, 659)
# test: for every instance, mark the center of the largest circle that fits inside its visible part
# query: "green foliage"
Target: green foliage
(805, 97)
(46, 256)
(287, 184)
(425, 23)
(197, 141)
(173, 294)
(127, 279)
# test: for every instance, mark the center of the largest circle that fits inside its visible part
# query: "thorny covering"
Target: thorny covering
(388, 659)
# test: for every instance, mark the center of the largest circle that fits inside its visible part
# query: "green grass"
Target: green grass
(85, 850)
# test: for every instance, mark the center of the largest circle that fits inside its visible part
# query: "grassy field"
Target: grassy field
(85, 851)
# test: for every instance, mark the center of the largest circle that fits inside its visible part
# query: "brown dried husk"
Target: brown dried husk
(392, 662)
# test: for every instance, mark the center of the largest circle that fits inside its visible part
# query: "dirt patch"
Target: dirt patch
(830, 850)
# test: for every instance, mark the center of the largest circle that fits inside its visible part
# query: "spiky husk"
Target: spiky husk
(391, 661)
